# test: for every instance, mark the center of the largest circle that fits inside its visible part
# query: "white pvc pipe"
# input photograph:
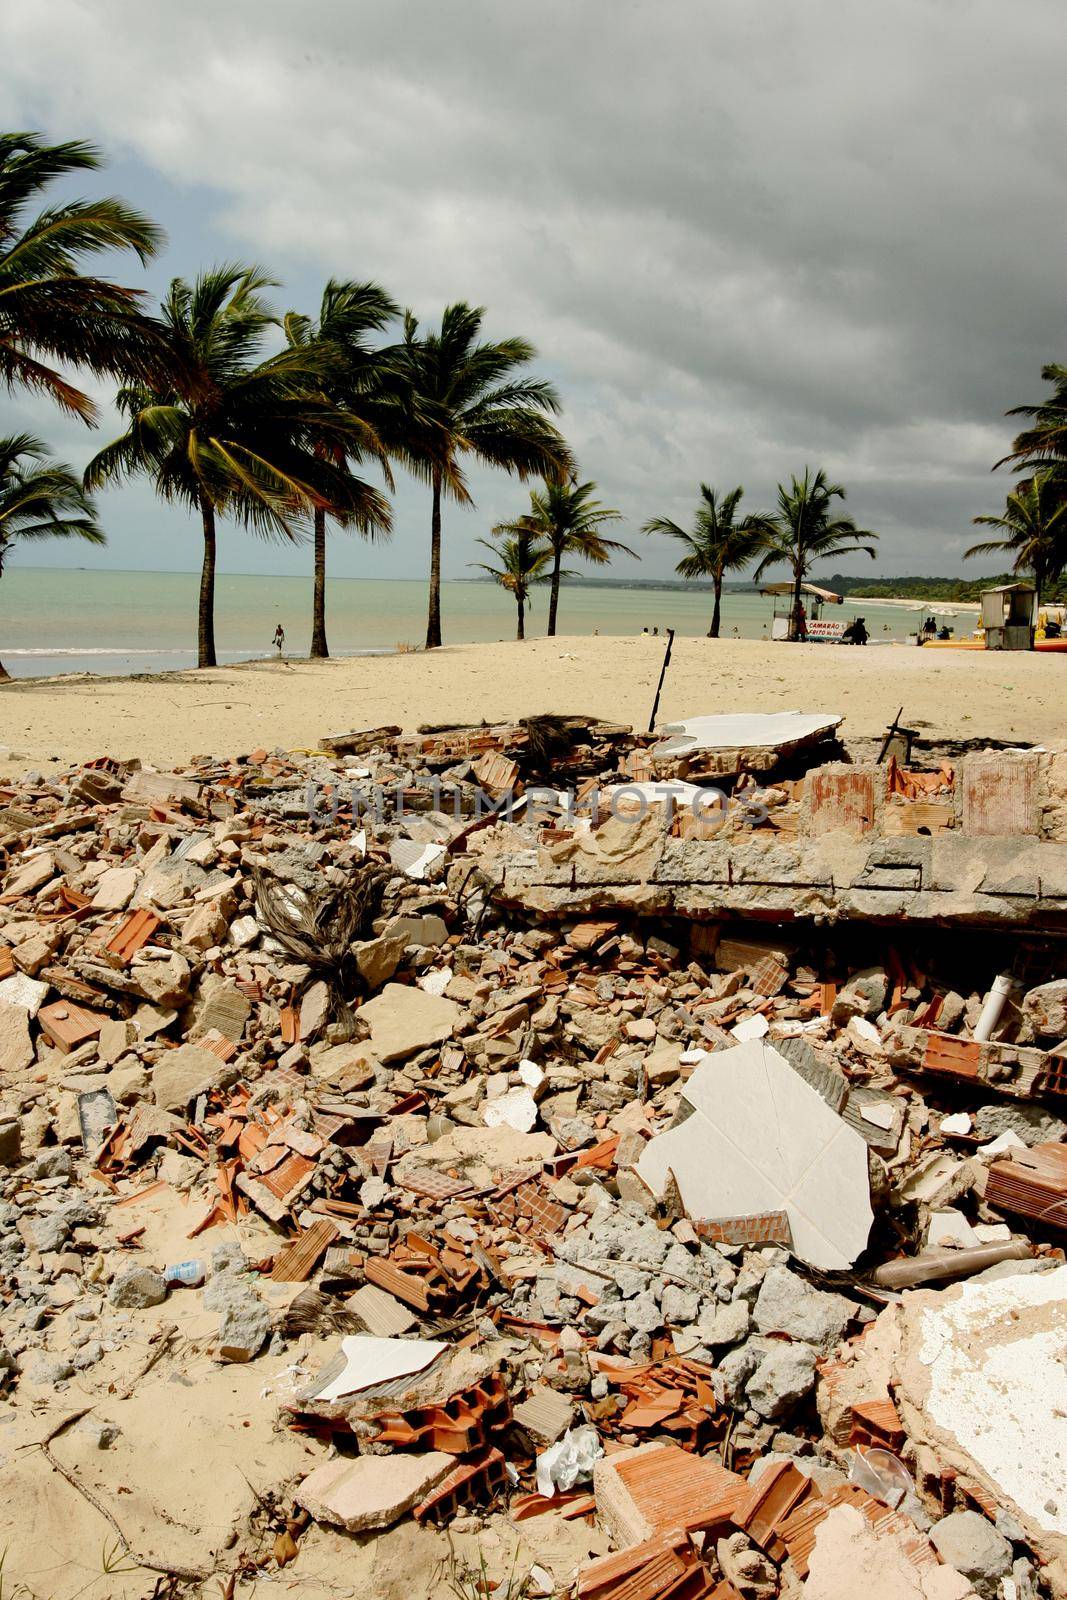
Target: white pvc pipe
(994, 1005)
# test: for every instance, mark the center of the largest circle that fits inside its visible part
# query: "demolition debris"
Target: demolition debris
(691, 1181)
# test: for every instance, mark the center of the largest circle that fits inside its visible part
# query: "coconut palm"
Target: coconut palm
(48, 311)
(465, 398)
(720, 542)
(524, 560)
(1034, 526)
(40, 499)
(805, 530)
(235, 433)
(349, 314)
(564, 514)
(1043, 447)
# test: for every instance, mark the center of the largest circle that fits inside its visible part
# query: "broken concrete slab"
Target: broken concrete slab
(27, 993)
(961, 1346)
(850, 1557)
(370, 1492)
(755, 740)
(404, 1020)
(180, 1075)
(16, 1047)
(761, 1140)
(115, 888)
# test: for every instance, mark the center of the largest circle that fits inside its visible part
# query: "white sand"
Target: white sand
(167, 719)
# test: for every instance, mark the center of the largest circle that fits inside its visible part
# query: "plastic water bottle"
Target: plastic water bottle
(189, 1274)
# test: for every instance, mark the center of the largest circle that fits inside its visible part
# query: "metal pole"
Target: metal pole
(662, 675)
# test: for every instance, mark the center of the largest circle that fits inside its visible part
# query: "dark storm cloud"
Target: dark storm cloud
(743, 235)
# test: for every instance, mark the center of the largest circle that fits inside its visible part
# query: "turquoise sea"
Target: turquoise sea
(54, 620)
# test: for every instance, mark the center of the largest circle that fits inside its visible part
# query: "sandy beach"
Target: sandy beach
(291, 704)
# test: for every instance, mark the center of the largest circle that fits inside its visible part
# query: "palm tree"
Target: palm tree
(233, 433)
(564, 514)
(463, 398)
(48, 310)
(349, 313)
(40, 499)
(524, 560)
(1043, 447)
(719, 543)
(1034, 525)
(805, 530)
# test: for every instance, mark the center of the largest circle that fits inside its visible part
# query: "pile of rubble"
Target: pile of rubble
(493, 1173)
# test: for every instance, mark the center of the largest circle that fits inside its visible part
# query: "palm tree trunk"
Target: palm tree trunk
(3, 670)
(319, 647)
(520, 632)
(206, 623)
(433, 622)
(716, 610)
(798, 579)
(553, 596)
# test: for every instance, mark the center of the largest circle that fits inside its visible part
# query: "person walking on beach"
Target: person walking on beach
(279, 638)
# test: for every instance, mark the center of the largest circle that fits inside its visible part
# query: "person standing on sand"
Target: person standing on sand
(279, 638)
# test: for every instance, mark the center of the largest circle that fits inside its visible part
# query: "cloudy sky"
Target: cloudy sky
(745, 235)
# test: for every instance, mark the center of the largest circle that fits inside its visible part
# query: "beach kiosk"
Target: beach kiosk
(828, 629)
(1009, 616)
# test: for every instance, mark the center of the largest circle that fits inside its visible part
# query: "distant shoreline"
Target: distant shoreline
(912, 604)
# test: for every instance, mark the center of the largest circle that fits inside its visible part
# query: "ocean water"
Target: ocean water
(57, 621)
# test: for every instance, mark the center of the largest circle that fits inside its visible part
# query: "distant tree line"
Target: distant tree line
(969, 589)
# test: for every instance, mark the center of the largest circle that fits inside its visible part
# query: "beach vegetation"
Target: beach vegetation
(1033, 529)
(720, 541)
(350, 314)
(40, 499)
(467, 398)
(565, 516)
(807, 528)
(523, 559)
(51, 311)
(230, 430)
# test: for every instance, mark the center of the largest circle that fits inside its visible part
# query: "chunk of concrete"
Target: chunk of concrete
(138, 1288)
(180, 1075)
(786, 1304)
(784, 1376)
(850, 1558)
(115, 888)
(404, 1020)
(760, 1140)
(162, 976)
(219, 1004)
(20, 990)
(16, 1048)
(970, 1543)
(204, 927)
(1003, 1338)
(244, 1329)
(1045, 1008)
(371, 1492)
(377, 959)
